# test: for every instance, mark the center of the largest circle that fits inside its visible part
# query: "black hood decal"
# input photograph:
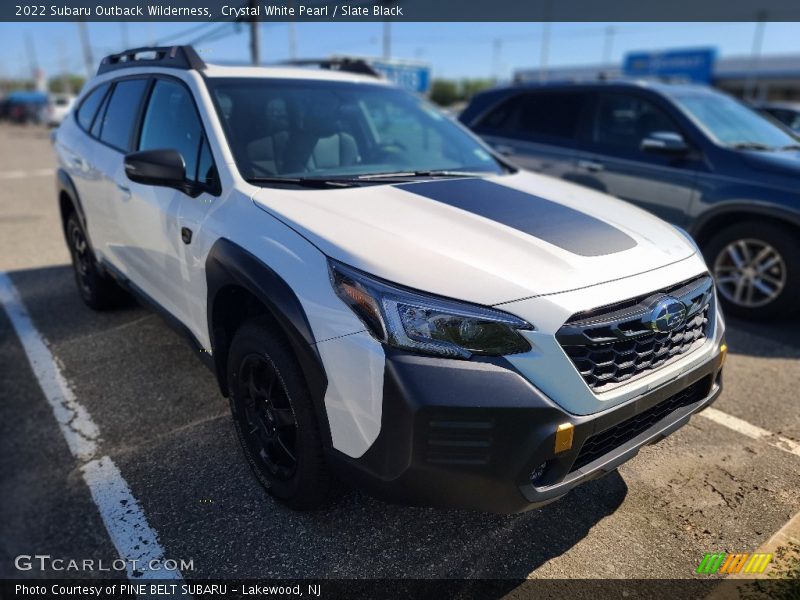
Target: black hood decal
(550, 221)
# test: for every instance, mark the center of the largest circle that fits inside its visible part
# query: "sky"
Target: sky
(454, 50)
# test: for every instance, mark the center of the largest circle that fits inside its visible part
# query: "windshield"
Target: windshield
(733, 124)
(322, 129)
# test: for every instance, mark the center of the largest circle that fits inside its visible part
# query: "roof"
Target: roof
(778, 105)
(659, 86)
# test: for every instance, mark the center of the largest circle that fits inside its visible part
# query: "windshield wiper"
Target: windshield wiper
(437, 173)
(790, 147)
(307, 182)
(751, 146)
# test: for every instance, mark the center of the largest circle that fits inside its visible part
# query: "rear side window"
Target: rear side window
(551, 115)
(117, 122)
(547, 117)
(499, 118)
(89, 106)
(171, 122)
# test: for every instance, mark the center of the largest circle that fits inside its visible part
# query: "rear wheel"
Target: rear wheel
(757, 269)
(274, 417)
(96, 289)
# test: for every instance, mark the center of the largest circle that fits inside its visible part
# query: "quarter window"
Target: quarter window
(89, 106)
(117, 122)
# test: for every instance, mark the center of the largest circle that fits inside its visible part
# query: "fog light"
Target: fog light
(538, 473)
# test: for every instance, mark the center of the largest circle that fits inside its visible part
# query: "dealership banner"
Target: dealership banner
(400, 10)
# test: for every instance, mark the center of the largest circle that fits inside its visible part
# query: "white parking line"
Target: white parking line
(125, 522)
(26, 174)
(751, 431)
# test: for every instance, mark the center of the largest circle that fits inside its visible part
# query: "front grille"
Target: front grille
(609, 440)
(616, 343)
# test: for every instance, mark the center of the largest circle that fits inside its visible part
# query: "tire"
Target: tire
(753, 288)
(275, 419)
(97, 290)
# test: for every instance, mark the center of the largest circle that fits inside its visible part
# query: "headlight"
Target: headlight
(407, 319)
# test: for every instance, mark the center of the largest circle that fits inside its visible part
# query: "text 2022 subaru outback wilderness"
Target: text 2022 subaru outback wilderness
(379, 295)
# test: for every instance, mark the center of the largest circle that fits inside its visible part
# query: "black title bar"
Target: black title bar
(401, 10)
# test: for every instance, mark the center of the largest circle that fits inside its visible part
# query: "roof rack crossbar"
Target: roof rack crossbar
(348, 65)
(176, 57)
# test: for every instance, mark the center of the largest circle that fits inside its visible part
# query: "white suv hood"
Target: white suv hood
(487, 241)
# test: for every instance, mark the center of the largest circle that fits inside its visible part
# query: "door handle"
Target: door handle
(504, 150)
(590, 165)
(126, 192)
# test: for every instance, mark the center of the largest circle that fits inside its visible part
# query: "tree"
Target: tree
(470, 87)
(444, 92)
(74, 84)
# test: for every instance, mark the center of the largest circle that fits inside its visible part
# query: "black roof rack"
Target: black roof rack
(175, 57)
(348, 65)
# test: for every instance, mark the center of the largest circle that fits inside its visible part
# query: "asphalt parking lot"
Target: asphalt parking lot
(162, 421)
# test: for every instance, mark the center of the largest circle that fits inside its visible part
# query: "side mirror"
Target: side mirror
(664, 142)
(164, 168)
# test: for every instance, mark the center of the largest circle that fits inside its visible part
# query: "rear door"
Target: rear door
(613, 160)
(537, 130)
(112, 131)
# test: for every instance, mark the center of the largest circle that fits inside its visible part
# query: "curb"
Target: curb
(734, 584)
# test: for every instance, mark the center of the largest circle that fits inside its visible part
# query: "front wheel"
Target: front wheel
(757, 269)
(274, 417)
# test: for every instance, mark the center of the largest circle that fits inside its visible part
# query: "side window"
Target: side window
(622, 121)
(90, 105)
(498, 118)
(550, 117)
(119, 117)
(171, 122)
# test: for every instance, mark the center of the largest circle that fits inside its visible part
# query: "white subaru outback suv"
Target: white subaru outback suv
(382, 298)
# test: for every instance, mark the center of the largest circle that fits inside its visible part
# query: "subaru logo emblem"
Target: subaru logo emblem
(668, 314)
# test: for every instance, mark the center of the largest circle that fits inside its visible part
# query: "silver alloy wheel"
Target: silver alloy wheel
(750, 273)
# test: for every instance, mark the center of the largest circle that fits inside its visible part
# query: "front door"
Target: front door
(614, 162)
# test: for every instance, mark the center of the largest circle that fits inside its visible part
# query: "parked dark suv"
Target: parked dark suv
(694, 156)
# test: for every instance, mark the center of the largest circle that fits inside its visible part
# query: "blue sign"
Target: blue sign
(694, 66)
(409, 76)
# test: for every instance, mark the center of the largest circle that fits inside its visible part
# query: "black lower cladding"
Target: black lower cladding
(470, 433)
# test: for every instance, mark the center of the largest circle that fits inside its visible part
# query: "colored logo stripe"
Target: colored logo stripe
(733, 563)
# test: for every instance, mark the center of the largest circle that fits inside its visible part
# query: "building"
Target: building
(771, 77)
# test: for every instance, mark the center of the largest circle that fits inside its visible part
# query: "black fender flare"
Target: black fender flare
(228, 264)
(65, 186)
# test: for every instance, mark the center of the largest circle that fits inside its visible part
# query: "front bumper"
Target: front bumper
(469, 434)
